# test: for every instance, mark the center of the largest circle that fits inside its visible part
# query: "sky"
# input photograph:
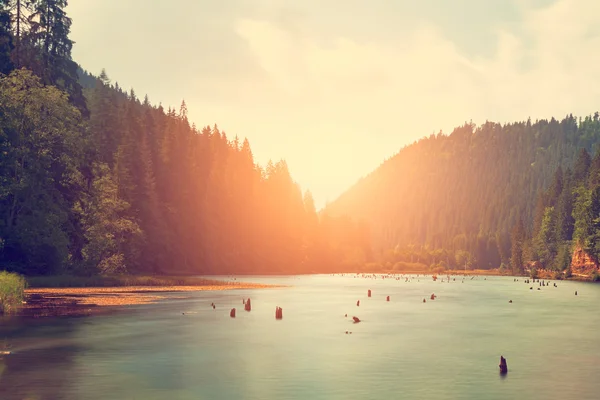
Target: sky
(335, 87)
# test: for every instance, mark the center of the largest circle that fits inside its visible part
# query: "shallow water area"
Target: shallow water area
(447, 348)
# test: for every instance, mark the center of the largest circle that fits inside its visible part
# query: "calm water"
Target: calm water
(403, 349)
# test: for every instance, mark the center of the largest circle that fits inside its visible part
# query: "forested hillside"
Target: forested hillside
(454, 200)
(95, 180)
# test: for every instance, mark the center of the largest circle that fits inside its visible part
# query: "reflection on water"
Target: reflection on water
(448, 348)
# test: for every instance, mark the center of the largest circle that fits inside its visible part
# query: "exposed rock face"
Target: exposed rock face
(583, 263)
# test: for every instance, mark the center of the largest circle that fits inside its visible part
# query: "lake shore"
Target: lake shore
(83, 301)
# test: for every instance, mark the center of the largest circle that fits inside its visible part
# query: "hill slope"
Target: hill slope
(462, 193)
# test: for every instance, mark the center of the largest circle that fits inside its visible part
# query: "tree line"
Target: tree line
(94, 179)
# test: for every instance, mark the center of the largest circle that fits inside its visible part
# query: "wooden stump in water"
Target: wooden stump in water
(248, 305)
(369, 293)
(278, 313)
(357, 303)
(387, 298)
(503, 366)
(356, 319)
(232, 313)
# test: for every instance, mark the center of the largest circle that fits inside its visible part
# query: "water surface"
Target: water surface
(403, 349)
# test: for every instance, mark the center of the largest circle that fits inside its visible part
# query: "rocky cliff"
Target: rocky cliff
(582, 263)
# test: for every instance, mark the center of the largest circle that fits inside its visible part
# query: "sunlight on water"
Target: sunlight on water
(448, 348)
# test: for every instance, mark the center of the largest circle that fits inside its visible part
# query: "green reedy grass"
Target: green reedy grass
(69, 281)
(12, 291)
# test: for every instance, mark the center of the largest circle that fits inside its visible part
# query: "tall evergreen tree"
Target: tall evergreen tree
(19, 11)
(6, 40)
(49, 36)
(564, 210)
(581, 167)
(517, 239)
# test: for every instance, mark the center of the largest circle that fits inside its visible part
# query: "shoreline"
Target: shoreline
(85, 301)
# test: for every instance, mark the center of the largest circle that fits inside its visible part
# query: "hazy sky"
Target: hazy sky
(337, 86)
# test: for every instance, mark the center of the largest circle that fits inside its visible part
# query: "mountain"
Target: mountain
(454, 199)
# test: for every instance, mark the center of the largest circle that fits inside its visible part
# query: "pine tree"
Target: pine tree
(564, 210)
(6, 40)
(49, 36)
(19, 10)
(594, 171)
(555, 188)
(581, 167)
(104, 119)
(41, 142)
(517, 239)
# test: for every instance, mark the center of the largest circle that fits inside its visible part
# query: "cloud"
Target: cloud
(547, 71)
(378, 96)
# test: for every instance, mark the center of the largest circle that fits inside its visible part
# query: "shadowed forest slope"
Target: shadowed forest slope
(454, 199)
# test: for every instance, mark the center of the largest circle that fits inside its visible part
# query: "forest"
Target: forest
(487, 196)
(95, 180)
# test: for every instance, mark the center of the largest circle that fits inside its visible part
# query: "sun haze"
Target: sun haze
(335, 87)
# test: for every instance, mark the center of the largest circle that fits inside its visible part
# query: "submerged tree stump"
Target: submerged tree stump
(278, 313)
(503, 366)
(356, 319)
(248, 305)
(357, 303)
(232, 313)
(369, 293)
(387, 298)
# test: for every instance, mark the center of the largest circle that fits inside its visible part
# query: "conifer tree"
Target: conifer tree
(517, 240)
(19, 11)
(6, 40)
(49, 36)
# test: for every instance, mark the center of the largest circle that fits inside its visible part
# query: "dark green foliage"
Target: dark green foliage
(41, 144)
(581, 167)
(48, 36)
(34, 34)
(6, 42)
(517, 238)
(564, 209)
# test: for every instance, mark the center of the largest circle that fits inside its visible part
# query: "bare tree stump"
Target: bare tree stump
(503, 366)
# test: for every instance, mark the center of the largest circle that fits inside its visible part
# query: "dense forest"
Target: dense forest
(485, 196)
(95, 180)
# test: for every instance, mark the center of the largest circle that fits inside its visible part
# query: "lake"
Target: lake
(448, 348)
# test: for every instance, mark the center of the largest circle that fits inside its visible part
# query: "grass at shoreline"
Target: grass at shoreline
(68, 281)
(12, 291)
